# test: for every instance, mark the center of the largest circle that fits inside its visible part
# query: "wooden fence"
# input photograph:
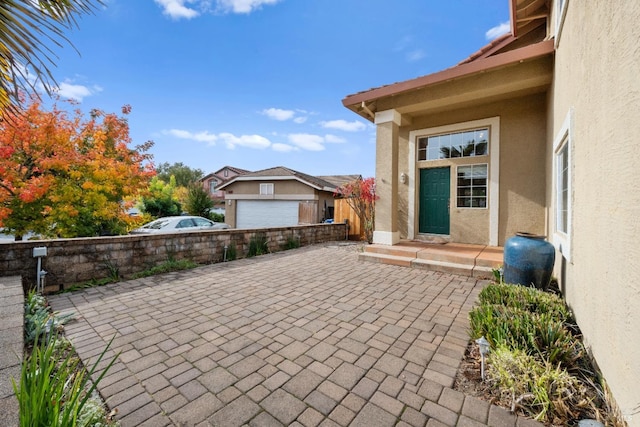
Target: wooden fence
(342, 211)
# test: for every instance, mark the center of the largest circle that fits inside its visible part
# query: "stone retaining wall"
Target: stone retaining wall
(72, 261)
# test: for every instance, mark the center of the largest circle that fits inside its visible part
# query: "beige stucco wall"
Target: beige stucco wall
(597, 72)
(522, 169)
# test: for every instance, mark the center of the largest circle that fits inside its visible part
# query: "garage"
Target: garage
(266, 213)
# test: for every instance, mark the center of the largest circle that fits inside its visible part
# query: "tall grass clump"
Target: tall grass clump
(258, 245)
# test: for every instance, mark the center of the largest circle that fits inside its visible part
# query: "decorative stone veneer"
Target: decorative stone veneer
(72, 261)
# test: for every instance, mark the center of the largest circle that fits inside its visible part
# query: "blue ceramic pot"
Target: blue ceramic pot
(528, 260)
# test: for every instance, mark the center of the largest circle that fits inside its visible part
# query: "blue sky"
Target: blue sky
(259, 83)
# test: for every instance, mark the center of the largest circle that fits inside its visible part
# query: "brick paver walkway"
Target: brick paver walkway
(305, 338)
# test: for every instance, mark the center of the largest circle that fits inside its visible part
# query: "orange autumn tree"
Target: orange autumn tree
(64, 175)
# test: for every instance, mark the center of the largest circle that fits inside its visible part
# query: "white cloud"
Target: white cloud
(77, 92)
(403, 43)
(344, 125)
(307, 141)
(243, 6)
(333, 139)
(300, 120)
(177, 9)
(498, 30)
(204, 136)
(278, 114)
(231, 140)
(416, 55)
(284, 148)
(250, 141)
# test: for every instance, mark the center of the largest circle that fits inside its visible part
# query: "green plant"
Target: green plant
(293, 242)
(198, 200)
(231, 253)
(538, 361)
(497, 275)
(166, 267)
(38, 319)
(258, 245)
(85, 285)
(543, 391)
(54, 387)
(113, 271)
(217, 217)
(525, 298)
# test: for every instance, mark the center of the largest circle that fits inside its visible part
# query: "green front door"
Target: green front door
(434, 200)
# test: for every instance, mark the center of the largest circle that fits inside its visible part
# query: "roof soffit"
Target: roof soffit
(528, 13)
(521, 69)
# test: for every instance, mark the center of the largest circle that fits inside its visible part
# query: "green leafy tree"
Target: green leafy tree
(160, 200)
(25, 28)
(198, 201)
(184, 175)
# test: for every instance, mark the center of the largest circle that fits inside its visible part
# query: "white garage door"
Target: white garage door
(266, 213)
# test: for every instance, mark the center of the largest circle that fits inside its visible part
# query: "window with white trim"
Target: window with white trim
(472, 186)
(266, 189)
(469, 143)
(562, 188)
(212, 186)
(560, 12)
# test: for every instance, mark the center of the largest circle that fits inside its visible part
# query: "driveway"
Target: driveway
(307, 337)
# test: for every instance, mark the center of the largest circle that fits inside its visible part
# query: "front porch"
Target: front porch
(456, 258)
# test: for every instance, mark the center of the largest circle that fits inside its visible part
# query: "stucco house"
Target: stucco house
(214, 180)
(277, 197)
(535, 132)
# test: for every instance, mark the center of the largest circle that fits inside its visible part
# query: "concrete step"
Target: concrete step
(402, 261)
(455, 258)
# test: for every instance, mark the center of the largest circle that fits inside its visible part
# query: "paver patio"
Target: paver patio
(308, 337)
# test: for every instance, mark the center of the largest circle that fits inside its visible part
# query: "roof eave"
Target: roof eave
(464, 70)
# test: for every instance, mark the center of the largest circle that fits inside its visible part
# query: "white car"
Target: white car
(179, 224)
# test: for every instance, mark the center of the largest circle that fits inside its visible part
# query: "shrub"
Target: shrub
(525, 298)
(543, 391)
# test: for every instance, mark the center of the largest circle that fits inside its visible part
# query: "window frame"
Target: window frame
(560, 12)
(215, 184)
(450, 134)
(486, 186)
(268, 189)
(562, 145)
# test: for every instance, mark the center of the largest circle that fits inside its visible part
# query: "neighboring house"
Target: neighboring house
(277, 197)
(213, 181)
(535, 132)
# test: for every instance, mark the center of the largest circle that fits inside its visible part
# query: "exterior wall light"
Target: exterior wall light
(484, 347)
(403, 177)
